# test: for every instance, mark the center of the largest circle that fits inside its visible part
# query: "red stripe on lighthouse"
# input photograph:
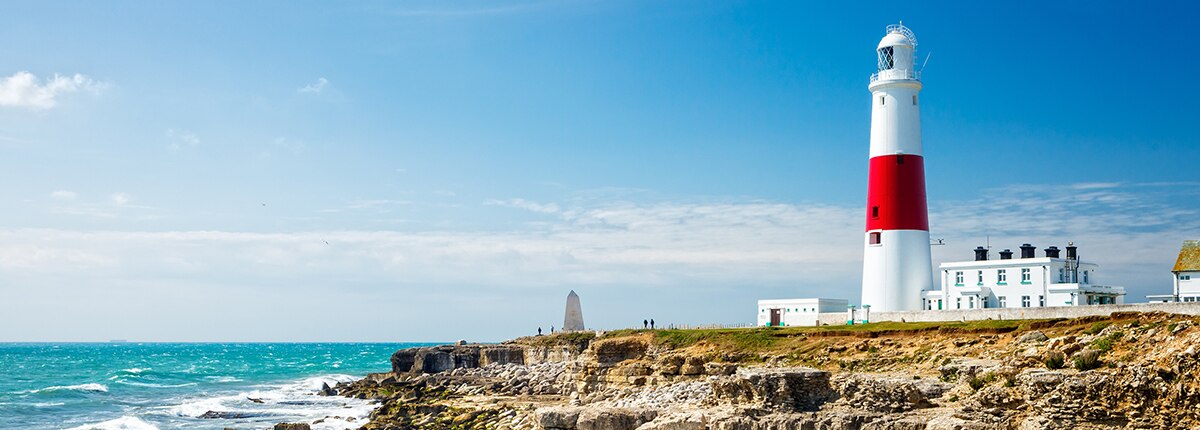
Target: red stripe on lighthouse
(896, 193)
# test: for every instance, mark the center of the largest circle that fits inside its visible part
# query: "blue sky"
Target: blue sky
(444, 170)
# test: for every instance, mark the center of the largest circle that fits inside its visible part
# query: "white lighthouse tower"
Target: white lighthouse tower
(896, 260)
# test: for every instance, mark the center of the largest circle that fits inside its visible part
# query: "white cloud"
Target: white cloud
(25, 90)
(548, 208)
(314, 87)
(180, 139)
(120, 199)
(63, 195)
(691, 262)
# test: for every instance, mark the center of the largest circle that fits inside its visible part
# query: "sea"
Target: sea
(145, 386)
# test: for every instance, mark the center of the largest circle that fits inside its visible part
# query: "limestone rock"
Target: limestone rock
(1033, 336)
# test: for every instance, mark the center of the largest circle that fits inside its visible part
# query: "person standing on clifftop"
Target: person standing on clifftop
(539, 331)
(651, 323)
(645, 324)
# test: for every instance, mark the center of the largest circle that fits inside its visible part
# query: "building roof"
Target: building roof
(1189, 257)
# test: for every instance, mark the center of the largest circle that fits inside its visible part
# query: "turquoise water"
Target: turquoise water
(111, 386)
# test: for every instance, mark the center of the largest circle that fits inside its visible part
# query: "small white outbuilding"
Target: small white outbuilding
(796, 312)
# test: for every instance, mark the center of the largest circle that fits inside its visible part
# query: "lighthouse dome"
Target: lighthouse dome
(895, 39)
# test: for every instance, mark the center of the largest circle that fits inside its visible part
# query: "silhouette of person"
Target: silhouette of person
(645, 324)
(551, 329)
(651, 323)
(539, 331)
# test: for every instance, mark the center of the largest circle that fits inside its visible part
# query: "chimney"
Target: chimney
(1052, 252)
(1006, 254)
(1072, 251)
(981, 253)
(1027, 250)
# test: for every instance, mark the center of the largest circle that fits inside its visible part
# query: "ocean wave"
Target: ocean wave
(123, 423)
(90, 387)
(220, 379)
(284, 402)
(153, 385)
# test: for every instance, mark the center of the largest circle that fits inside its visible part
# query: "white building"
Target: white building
(1028, 281)
(1187, 275)
(796, 312)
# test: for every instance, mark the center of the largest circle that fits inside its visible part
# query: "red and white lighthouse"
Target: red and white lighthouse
(896, 261)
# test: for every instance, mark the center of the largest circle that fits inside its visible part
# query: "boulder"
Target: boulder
(595, 418)
(563, 418)
(292, 426)
(1033, 336)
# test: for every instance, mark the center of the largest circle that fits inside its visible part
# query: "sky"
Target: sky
(434, 171)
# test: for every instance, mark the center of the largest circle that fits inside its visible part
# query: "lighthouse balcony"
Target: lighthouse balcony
(896, 75)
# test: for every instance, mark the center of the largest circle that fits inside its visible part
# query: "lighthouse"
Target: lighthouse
(896, 261)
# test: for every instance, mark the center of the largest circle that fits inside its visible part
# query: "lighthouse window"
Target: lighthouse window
(914, 100)
(886, 59)
(900, 159)
(874, 238)
(875, 212)
(882, 101)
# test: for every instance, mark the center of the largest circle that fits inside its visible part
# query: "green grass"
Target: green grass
(1097, 327)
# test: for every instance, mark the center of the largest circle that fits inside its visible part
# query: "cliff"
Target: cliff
(1125, 371)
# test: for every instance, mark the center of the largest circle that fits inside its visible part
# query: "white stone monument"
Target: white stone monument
(573, 321)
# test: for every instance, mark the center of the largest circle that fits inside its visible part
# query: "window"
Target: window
(958, 278)
(874, 238)
(1062, 275)
(882, 100)
(1024, 301)
(914, 99)
(1003, 301)
(939, 304)
(1041, 301)
(980, 277)
(958, 303)
(1189, 299)
(875, 212)
(970, 302)
(1085, 276)
(1024, 276)
(1002, 276)
(1185, 277)
(900, 159)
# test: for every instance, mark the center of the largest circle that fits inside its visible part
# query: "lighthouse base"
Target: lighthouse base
(896, 269)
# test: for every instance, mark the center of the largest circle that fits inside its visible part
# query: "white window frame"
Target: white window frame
(1025, 275)
(1024, 301)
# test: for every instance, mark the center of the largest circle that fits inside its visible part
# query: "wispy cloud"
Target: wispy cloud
(726, 253)
(120, 199)
(179, 139)
(25, 90)
(546, 208)
(63, 195)
(314, 87)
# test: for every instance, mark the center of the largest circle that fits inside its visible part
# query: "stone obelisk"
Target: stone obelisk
(573, 321)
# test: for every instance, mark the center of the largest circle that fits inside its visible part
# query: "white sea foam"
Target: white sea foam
(295, 401)
(222, 379)
(123, 423)
(92, 387)
(153, 385)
